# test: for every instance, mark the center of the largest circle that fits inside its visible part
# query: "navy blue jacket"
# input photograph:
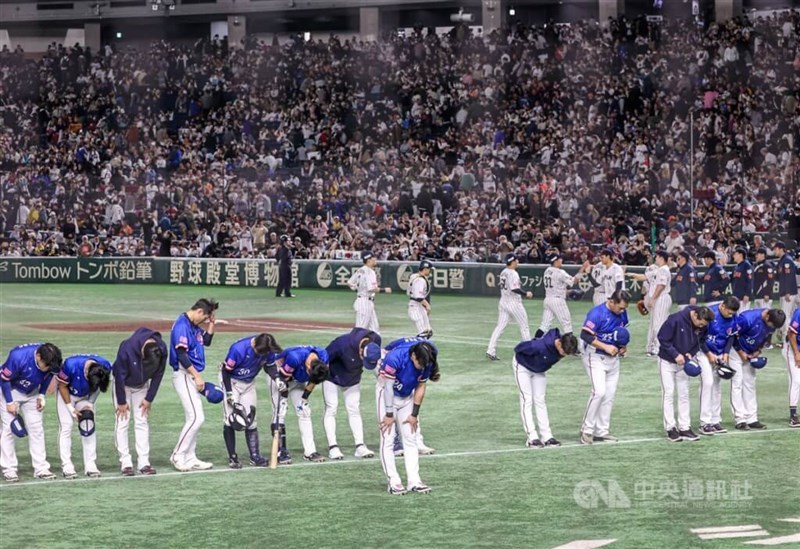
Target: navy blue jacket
(685, 284)
(128, 370)
(678, 336)
(715, 279)
(539, 355)
(742, 284)
(786, 272)
(762, 280)
(345, 359)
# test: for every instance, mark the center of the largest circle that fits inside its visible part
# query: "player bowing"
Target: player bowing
(402, 379)
(756, 327)
(679, 343)
(80, 382)
(605, 330)
(791, 351)
(721, 334)
(532, 360)
(294, 374)
(348, 355)
(245, 359)
(24, 379)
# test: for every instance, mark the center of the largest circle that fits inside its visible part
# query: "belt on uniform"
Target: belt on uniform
(370, 297)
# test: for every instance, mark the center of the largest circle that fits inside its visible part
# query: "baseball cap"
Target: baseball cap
(762, 250)
(284, 237)
(607, 251)
(552, 258)
(709, 255)
(779, 244)
(425, 264)
(366, 256)
(740, 250)
(372, 353)
(510, 258)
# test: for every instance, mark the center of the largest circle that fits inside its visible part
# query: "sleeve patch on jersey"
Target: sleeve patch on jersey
(591, 325)
(184, 340)
(230, 362)
(389, 370)
(6, 374)
(62, 376)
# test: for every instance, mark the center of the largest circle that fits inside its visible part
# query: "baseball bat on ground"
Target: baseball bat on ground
(273, 456)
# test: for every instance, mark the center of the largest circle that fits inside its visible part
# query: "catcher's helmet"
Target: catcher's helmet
(758, 362)
(691, 368)
(725, 372)
(86, 423)
(240, 419)
(212, 393)
(18, 426)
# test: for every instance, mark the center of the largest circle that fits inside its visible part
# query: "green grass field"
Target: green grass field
(488, 489)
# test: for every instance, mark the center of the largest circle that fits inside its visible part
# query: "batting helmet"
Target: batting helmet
(18, 426)
(239, 419)
(619, 337)
(725, 372)
(758, 362)
(212, 393)
(575, 294)
(86, 423)
(691, 368)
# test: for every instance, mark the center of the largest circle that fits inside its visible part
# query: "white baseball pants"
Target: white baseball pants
(710, 392)
(658, 316)
(244, 392)
(303, 422)
(365, 314)
(743, 390)
(506, 312)
(419, 316)
(787, 306)
(556, 308)
(763, 303)
(186, 450)
(65, 423)
(402, 410)
(532, 390)
(794, 375)
(672, 377)
(134, 397)
(598, 297)
(26, 405)
(352, 403)
(603, 372)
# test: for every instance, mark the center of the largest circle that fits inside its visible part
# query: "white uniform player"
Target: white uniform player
(657, 299)
(365, 283)
(791, 352)
(613, 277)
(597, 273)
(556, 281)
(419, 306)
(510, 305)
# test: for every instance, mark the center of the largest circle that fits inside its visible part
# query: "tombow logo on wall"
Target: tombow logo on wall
(41, 272)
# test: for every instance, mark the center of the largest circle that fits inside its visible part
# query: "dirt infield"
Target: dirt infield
(249, 325)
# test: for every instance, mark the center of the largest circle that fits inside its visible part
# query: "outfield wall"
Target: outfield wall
(465, 278)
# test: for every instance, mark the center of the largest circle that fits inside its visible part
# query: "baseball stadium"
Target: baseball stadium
(511, 274)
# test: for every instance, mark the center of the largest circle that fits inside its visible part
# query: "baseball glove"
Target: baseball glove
(641, 308)
(576, 294)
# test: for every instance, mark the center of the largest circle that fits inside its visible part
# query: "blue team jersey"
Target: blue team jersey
(794, 326)
(294, 361)
(753, 331)
(185, 335)
(242, 361)
(346, 363)
(21, 370)
(73, 373)
(397, 365)
(602, 321)
(539, 355)
(721, 332)
(406, 342)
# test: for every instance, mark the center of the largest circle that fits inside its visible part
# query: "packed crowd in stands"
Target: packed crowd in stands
(453, 148)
